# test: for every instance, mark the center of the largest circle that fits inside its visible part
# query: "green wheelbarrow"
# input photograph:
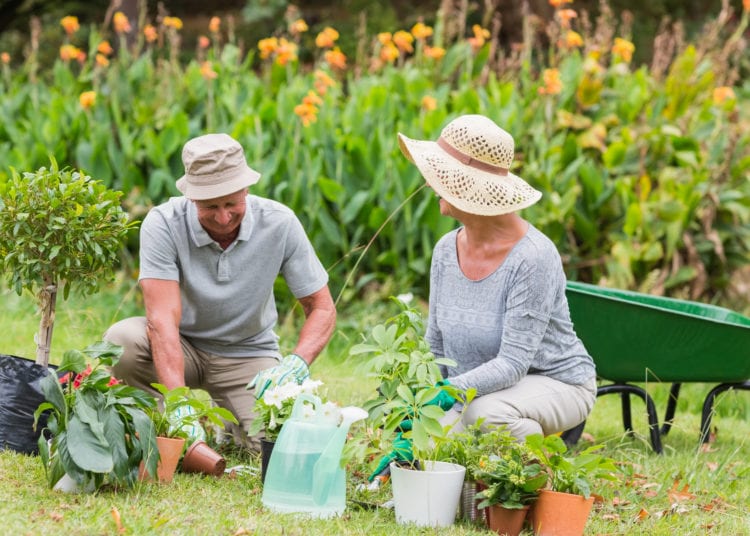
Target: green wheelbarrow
(637, 337)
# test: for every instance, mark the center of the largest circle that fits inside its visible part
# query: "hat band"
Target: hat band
(469, 160)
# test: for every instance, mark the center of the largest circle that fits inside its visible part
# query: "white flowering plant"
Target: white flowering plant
(275, 407)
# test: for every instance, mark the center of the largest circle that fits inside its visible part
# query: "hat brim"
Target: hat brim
(223, 186)
(467, 188)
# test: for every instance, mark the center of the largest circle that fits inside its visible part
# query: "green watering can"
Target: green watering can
(304, 473)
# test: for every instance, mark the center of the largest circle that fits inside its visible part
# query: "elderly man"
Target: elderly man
(208, 262)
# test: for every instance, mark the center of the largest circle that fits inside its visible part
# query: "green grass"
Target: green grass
(686, 490)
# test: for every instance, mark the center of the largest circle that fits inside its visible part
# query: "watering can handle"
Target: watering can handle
(300, 402)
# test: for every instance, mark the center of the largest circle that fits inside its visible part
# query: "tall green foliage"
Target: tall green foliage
(644, 169)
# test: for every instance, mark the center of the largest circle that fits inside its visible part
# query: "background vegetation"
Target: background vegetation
(644, 167)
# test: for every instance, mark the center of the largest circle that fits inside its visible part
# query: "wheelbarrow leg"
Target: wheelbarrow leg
(627, 417)
(708, 405)
(674, 393)
(653, 418)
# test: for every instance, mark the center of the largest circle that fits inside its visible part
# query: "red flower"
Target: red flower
(65, 379)
(113, 381)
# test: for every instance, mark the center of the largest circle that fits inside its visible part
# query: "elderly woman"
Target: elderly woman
(497, 289)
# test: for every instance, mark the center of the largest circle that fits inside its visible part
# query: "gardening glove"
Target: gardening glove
(192, 428)
(443, 399)
(292, 367)
(401, 452)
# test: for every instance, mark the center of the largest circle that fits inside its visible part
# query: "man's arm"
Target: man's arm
(320, 319)
(163, 313)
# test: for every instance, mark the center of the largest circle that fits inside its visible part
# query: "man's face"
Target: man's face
(221, 216)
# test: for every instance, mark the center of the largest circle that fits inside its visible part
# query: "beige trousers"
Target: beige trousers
(536, 404)
(225, 379)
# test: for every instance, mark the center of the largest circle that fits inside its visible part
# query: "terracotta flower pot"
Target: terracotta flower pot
(170, 450)
(507, 521)
(200, 458)
(560, 514)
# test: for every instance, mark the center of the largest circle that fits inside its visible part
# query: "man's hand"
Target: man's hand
(184, 419)
(291, 368)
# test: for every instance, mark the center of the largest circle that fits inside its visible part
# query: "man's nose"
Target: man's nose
(223, 216)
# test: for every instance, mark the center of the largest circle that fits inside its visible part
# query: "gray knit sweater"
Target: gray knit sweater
(513, 322)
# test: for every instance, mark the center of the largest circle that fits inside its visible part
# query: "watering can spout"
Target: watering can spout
(324, 472)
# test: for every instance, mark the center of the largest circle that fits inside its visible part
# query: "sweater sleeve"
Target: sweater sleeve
(528, 308)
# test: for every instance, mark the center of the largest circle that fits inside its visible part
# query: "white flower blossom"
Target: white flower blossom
(405, 298)
(330, 413)
(308, 411)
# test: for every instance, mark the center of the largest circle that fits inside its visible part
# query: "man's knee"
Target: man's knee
(130, 333)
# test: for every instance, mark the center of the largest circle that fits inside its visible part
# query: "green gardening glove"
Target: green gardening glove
(291, 368)
(400, 452)
(443, 399)
(185, 419)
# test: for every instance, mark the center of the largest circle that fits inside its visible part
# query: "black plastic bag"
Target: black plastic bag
(20, 396)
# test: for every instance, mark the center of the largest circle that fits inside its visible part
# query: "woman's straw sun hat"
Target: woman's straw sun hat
(469, 166)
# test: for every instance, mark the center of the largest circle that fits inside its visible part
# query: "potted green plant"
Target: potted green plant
(512, 478)
(59, 230)
(100, 428)
(274, 408)
(563, 507)
(404, 409)
(180, 409)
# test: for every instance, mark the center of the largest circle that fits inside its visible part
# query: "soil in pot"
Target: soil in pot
(506, 521)
(560, 514)
(200, 458)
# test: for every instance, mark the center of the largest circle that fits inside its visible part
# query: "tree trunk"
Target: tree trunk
(47, 301)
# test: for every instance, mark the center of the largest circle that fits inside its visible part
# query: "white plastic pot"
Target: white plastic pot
(428, 497)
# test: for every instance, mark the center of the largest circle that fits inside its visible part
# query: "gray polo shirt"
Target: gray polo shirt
(228, 306)
(513, 322)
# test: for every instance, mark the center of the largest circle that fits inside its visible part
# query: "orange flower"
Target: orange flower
(101, 60)
(204, 42)
(429, 103)
(267, 47)
(5, 58)
(403, 41)
(623, 49)
(480, 37)
(70, 24)
(312, 99)
(87, 99)
(385, 37)
(558, 3)
(326, 38)
(389, 53)
(150, 33)
(81, 57)
(69, 52)
(323, 82)
(207, 71)
(573, 39)
(307, 113)
(723, 93)
(746, 5)
(173, 22)
(566, 15)
(421, 31)
(435, 53)
(297, 27)
(214, 24)
(104, 48)
(335, 58)
(121, 23)
(552, 83)
(285, 52)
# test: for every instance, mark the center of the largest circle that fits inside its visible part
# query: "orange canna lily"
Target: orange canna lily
(285, 52)
(403, 41)
(573, 39)
(104, 48)
(421, 31)
(323, 82)
(203, 42)
(552, 82)
(101, 60)
(87, 99)
(723, 93)
(336, 58)
(480, 37)
(70, 24)
(121, 23)
(558, 3)
(312, 99)
(566, 15)
(623, 49)
(69, 52)
(267, 47)
(207, 71)
(435, 53)
(5, 58)
(389, 53)
(173, 22)
(150, 33)
(326, 38)
(385, 37)
(429, 103)
(307, 113)
(297, 27)
(214, 24)
(746, 5)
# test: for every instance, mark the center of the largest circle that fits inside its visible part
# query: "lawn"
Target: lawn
(687, 490)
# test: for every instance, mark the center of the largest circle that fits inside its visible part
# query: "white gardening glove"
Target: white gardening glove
(185, 419)
(291, 368)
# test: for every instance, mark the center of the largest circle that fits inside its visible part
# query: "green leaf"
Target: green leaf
(86, 450)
